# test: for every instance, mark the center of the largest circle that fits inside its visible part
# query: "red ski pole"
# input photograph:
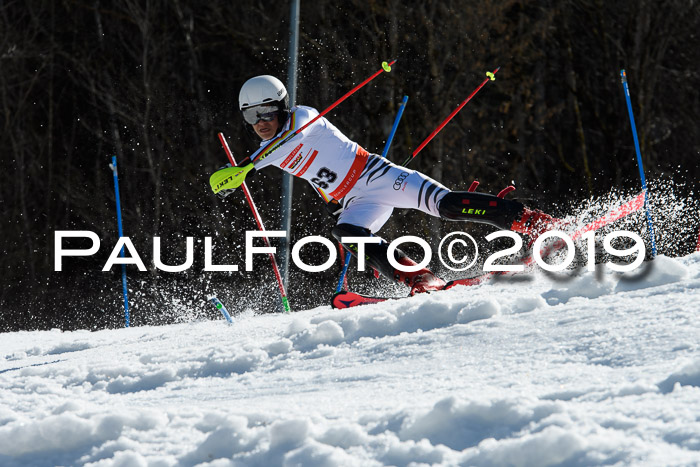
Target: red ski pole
(385, 67)
(490, 77)
(261, 227)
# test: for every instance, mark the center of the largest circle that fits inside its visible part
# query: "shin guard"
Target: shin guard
(480, 207)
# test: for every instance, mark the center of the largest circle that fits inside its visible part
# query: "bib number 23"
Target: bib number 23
(324, 177)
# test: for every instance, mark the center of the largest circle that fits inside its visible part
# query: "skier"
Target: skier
(362, 188)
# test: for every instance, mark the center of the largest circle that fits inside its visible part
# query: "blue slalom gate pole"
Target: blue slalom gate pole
(343, 272)
(220, 306)
(113, 166)
(402, 106)
(650, 224)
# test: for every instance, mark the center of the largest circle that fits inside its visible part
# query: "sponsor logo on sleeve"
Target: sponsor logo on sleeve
(399, 180)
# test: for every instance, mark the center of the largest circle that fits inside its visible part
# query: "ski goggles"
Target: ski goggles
(266, 113)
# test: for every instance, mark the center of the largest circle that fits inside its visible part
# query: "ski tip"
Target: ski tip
(345, 299)
(340, 300)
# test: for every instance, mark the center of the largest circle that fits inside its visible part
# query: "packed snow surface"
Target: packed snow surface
(596, 369)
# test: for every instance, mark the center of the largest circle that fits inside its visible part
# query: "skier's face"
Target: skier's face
(267, 130)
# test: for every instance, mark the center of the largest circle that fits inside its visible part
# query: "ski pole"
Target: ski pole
(113, 166)
(261, 227)
(402, 106)
(385, 67)
(650, 224)
(490, 76)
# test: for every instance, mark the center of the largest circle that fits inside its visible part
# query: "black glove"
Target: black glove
(224, 193)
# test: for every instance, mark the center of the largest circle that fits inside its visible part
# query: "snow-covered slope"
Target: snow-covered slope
(593, 370)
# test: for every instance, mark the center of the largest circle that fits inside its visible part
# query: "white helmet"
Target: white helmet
(263, 89)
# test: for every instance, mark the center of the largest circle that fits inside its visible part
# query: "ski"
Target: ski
(351, 299)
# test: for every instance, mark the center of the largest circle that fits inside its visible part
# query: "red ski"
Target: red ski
(350, 299)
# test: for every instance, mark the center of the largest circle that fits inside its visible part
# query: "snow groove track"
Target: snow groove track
(592, 370)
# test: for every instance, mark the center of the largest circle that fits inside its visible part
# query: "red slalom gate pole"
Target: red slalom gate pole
(490, 76)
(261, 227)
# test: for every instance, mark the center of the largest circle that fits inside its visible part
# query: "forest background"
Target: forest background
(153, 81)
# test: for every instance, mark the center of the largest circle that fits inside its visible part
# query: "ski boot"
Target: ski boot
(376, 256)
(419, 281)
(533, 223)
